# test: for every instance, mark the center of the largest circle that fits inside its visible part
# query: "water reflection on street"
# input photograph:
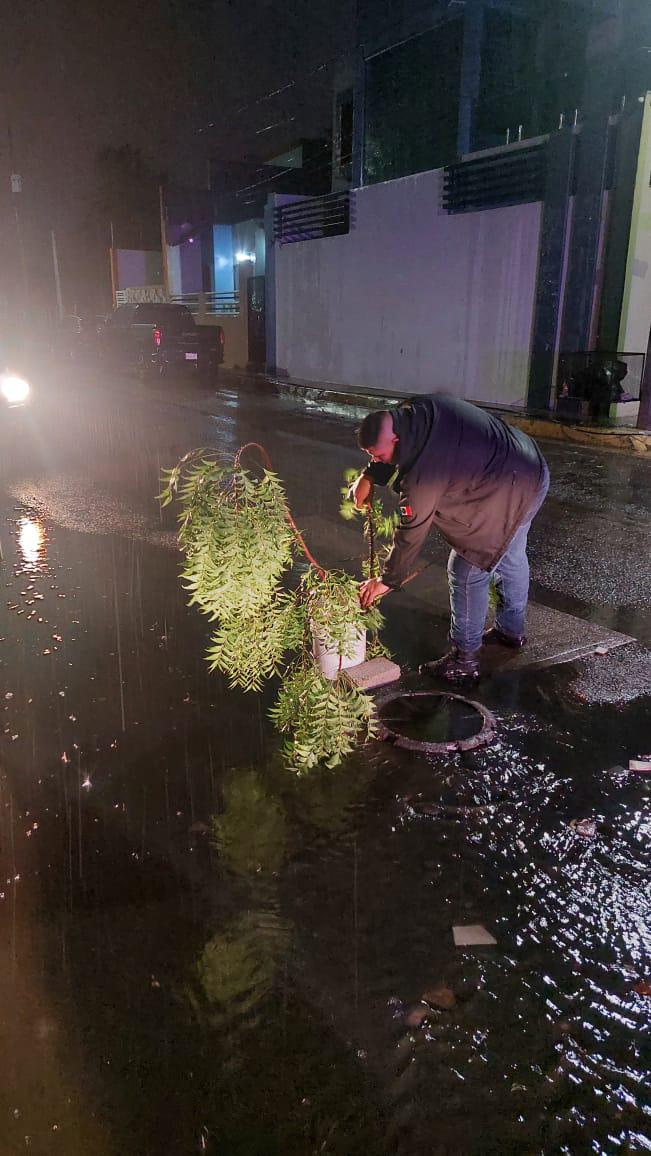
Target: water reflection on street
(202, 952)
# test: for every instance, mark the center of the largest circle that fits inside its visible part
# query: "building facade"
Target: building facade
(492, 154)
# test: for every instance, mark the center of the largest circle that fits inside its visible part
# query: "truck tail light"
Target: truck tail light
(221, 336)
(157, 338)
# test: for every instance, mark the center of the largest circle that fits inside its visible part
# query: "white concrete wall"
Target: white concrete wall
(174, 279)
(235, 325)
(413, 299)
(636, 306)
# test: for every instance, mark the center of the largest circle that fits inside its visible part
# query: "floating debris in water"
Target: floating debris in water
(586, 828)
(643, 766)
(199, 828)
(440, 997)
(472, 935)
(414, 1016)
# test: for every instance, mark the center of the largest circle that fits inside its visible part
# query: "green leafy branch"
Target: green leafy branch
(240, 543)
(379, 526)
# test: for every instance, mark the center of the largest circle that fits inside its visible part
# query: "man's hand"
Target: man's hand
(370, 591)
(362, 491)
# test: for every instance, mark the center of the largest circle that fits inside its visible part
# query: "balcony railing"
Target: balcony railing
(199, 304)
(208, 304)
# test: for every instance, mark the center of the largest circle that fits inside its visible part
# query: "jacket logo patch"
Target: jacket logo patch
(406, 511)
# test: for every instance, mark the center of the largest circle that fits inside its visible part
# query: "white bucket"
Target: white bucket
(327, 654)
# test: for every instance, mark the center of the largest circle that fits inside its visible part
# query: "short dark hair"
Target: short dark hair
(370, 429)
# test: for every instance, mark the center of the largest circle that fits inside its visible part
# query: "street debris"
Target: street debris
(440, 997)
(643, 987)
(586, 828)
(414, 1016)
(472, 935)
(643, 766)
(601, 650)
(199, 828)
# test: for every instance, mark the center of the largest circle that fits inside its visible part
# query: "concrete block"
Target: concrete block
(472, 935)
(373, 673)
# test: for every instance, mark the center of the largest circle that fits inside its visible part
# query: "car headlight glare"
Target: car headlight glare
(14, 389)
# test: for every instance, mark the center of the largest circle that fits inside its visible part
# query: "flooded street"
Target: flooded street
(203, 953)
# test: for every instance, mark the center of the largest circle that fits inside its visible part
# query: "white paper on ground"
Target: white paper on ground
(472, 935)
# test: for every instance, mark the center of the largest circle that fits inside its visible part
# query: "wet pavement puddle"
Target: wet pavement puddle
(202, 952)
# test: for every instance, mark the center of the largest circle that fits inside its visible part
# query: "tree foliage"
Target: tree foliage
(240, 546)
(379, 526)
(325, 718)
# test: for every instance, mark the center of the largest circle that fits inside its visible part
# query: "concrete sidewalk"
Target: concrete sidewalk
(623, 439)
(420, 612)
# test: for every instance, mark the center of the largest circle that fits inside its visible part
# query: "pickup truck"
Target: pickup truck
(158, 339)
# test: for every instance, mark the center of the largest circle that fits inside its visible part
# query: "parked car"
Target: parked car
(158, 339)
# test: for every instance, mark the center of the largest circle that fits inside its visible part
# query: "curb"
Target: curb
(622, 440)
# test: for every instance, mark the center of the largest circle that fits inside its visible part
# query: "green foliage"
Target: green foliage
(251, 649)
(325, 718)
(250, 835)
(236, 539)
(334, 611)
(375, 648)
(377, 522)
(239, 542)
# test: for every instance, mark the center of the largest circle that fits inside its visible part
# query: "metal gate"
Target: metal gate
(256, 321)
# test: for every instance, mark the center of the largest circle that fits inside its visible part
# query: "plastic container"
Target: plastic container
(328, 657)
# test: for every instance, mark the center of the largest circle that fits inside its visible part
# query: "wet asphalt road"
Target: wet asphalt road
(159, 998)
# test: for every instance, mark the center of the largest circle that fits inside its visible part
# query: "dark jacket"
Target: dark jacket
(462, 470)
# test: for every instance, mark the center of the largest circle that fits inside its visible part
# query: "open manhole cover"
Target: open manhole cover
(435, 722)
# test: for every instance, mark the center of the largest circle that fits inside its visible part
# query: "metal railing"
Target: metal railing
(140, 295)
(313, 218)
(208, 304)
(506, 176)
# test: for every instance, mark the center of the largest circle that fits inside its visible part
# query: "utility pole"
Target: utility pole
(163, 242)
(57, 275)
(16, 183)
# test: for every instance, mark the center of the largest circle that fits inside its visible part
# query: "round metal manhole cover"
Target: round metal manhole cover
(435, 722)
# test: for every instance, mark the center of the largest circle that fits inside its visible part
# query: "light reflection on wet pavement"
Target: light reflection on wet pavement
(201, 953)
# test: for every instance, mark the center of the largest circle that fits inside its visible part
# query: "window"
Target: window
(344, 135)
(412, 104)
(506, 90)
(532, 70)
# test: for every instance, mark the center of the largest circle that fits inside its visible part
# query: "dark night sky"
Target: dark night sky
(78, 75)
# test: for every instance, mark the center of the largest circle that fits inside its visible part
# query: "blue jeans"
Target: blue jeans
(469, 587)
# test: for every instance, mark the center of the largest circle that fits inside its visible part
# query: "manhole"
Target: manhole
(435, 722)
